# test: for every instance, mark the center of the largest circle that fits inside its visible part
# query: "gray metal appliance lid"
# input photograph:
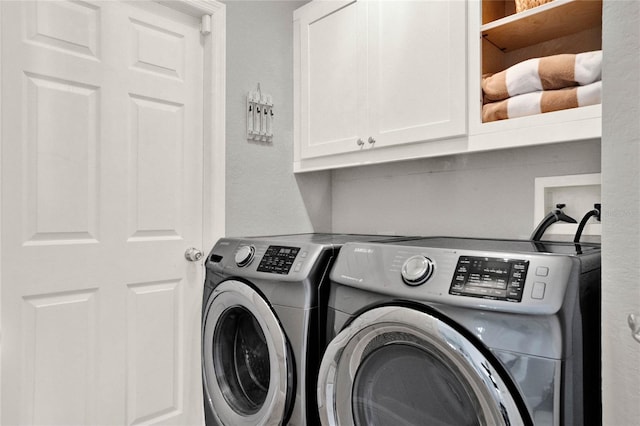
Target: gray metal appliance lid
(328, 238)
(513, 246)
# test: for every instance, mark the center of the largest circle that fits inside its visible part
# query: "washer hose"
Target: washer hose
(595, 212)
(552, 217)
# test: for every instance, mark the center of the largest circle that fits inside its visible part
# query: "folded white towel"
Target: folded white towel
(548, 73)
(543, 101)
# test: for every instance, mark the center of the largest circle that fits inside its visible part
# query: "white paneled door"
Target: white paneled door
(102, 186)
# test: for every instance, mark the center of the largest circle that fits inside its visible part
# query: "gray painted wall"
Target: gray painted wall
(263, 195)
(621, 210)
(487, 194)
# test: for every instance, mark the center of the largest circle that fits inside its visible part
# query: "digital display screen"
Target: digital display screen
(491, 278)
(489, 274)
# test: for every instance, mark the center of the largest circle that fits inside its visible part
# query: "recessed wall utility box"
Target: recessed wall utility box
(578, 192)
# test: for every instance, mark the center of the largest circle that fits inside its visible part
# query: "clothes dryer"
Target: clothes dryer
(261, 327)
(453, 331)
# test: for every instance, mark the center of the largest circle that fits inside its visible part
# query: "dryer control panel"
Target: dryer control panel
(490, 278)
(513, 280)
(278, 259)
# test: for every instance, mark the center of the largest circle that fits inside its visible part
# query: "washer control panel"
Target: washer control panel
(278, 259)
(490, 278)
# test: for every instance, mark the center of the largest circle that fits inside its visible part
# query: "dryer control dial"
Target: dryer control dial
(417, 270)
(244, 255)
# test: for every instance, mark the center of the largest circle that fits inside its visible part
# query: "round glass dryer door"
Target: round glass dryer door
(247, 365)
(400, 366)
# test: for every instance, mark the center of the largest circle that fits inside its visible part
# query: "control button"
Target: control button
(513, 292)
(298, 267)
(457, 287)
(244, 255)
(303, 254)
(417, 270)
(515, 284)
(542, 271)
(497, 293)
(537, 292)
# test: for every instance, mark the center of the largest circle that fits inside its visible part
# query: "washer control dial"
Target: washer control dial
(417, 270)
(244, 255)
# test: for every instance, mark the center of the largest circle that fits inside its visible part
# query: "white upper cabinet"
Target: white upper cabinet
(333, 77)
(384, 80)
(373, 74)
(416, 70)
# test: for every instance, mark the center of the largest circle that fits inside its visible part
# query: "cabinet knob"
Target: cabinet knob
(360, 142)
(371, 140)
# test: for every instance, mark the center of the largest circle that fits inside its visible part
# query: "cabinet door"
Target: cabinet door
(416, 66)
(332, 77)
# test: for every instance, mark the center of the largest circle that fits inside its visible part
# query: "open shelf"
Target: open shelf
(509, 38)
(549, 21)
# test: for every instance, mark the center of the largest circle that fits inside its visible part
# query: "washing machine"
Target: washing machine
(455, 331)
(262, 327)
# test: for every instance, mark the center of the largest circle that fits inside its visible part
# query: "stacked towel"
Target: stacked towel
(543, 85)
(543, 101)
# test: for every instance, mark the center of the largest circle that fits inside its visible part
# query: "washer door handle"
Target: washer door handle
(193, 254)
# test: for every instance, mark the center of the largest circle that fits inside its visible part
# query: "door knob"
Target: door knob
(193, 254)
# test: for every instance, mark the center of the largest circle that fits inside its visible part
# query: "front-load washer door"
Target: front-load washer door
(246, 360)
(396, 365)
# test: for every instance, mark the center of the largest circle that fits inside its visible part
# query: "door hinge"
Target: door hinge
(205, 26)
